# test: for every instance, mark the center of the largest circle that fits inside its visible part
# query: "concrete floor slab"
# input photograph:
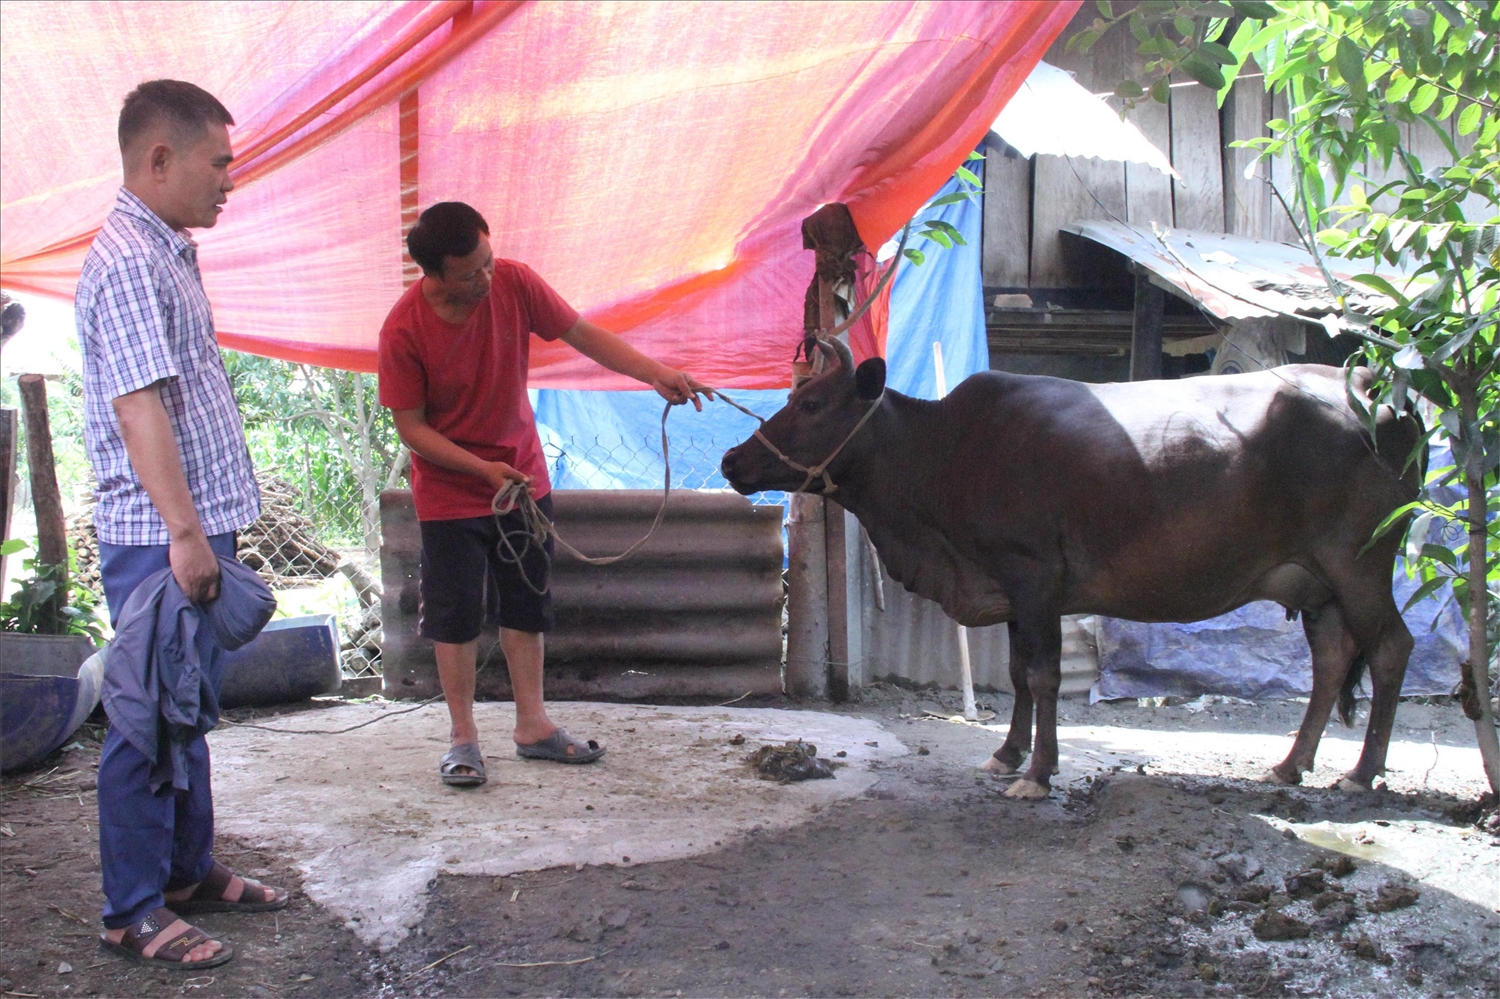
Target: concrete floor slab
(364, 814)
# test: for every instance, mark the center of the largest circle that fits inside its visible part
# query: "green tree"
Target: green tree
(1357, 77)
(324, 430)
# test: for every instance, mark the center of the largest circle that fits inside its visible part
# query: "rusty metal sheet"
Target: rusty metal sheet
(695, 613)
(912, 640)
(1238, 277)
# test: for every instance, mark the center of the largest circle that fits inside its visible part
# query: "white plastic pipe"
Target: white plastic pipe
(965, 668)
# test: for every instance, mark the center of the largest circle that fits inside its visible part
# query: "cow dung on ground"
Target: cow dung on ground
(903, 875)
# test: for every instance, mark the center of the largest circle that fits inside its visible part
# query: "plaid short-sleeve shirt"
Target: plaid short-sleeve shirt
(143, 318)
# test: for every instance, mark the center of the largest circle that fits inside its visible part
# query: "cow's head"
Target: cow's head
(817, 419)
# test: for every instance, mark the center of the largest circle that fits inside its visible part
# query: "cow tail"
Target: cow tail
(1351, 683)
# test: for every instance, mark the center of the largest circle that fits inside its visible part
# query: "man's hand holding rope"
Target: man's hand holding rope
(679, 387)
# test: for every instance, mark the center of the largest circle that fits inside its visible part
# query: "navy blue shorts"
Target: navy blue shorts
(466, 584)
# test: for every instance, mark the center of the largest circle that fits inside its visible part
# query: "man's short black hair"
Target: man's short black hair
(447, 229)
(187, 106)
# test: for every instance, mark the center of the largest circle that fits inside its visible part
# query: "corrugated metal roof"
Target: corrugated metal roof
(1237, 277)
(1052, 113)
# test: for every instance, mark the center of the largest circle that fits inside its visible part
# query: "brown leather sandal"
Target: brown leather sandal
(170, 954)
(209, 895)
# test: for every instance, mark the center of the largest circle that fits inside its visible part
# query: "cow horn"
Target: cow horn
(838, 351)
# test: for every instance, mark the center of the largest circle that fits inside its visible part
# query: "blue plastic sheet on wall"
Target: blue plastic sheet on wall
(612, 440)
(941, 300)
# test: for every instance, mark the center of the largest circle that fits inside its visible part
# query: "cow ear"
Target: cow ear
(869, 378)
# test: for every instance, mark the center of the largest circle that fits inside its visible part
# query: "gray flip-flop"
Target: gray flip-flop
(555, 749)
(466, 755)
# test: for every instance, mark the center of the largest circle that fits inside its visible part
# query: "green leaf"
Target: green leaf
(967, 175)
(1392, 519)
(12, 546)
(1217, 53)
(1258, 9)
(1438, 553)
(1105, 8)
(1424, 591)
(1381, 285)
(1200, 70)
(1450, 13)
(915, 256)
(1426, 94)
(1351, 64)
(1469, 120)
(1161, 91)
(937, 236)
(1400, 87)
(1129, 90)
(974, 155)
(1411, 62)
(1446, 108)
(951, 199)
(1416, 17)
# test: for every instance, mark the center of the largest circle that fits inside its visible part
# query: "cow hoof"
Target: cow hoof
(1351, 785)
(1274, 776)
(994, 766)
(1027, 789)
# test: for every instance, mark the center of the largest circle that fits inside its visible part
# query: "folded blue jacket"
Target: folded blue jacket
(158, 691)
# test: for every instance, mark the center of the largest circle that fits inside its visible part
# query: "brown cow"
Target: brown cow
(1022, 498)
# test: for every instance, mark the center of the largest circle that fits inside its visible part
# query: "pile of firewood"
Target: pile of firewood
(280, 545)
(85, 545)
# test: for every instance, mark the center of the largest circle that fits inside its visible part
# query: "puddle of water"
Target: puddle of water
(1458, 861)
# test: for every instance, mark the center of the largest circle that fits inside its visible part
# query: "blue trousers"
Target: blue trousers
(149, 843)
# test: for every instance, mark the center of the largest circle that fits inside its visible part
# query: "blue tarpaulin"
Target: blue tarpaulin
(612, 440)
(940, 301)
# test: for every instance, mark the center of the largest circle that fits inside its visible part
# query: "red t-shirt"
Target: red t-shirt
(472, 380)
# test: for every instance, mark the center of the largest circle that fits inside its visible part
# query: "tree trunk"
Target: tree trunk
(46, 499)
(1479, 596)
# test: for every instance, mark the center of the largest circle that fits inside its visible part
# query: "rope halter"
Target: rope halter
(820, 470)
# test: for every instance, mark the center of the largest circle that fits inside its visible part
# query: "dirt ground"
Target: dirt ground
(1160, 865)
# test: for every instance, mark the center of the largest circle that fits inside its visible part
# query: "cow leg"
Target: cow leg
(1387, 644)
(1037, 643)
(1333, 651)
(1007, 759)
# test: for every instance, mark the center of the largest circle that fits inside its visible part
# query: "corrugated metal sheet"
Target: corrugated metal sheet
(1237, 277)
(695, 612)
(913, 640)
(1053, 113)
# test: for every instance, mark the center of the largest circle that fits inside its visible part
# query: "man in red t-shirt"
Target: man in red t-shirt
(453, 360)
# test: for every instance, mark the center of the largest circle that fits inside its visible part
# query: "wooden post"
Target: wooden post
(836, 554)
(1145, 337)
(46, 500)
(807, 599)
(8, 425)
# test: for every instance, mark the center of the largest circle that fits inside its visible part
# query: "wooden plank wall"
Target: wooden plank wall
(1198, 197)
(1068, 188)
(1028, 203)
(1006, 230)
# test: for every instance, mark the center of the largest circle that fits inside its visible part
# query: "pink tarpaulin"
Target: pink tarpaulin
(653, 161)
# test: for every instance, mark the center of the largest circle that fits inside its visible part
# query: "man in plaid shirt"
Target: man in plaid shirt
(175, 482)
